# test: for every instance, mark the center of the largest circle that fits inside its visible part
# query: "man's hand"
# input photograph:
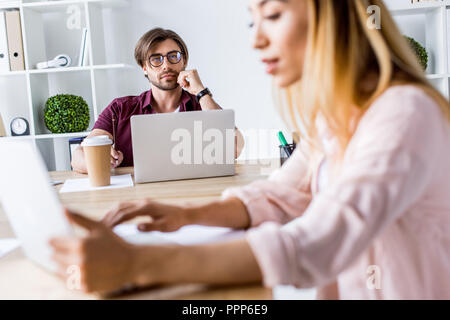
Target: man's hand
(105, 261)
(165, 218)
(190, 81)
(116, 158)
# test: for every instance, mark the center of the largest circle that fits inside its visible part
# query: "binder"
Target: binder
(15, 45)
(4, 53)
(2, 128)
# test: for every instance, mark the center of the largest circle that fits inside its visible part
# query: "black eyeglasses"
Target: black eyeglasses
(173, 57)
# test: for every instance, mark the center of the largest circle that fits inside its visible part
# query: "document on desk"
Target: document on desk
(80, 185)
(188, 235)
(8, 245)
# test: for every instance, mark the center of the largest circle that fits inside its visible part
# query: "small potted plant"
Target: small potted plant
(420, 52)
(66, 113)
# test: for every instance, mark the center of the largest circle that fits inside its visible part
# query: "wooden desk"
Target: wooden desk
(21, 279)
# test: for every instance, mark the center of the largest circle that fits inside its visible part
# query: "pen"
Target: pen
(284, 143)
(114, 135)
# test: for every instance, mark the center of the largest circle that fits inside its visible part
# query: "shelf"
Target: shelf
(414, 11)
(397, 7)
(86, 68)
(49, 6)
(9, 4)
(69, 69)
(426, 26)
(46, 136)
(15, 138)
(110, 3)
(62, 135)
(45, 85)
(14, 99)
(55, 70)
(437, 76)
(12, 73)
(113, 66)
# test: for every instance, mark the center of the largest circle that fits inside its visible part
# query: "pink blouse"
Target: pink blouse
(381, 228)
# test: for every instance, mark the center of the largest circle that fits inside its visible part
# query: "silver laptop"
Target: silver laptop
(186, 145)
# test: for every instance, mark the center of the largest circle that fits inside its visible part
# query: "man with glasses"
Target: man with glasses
(163, 56)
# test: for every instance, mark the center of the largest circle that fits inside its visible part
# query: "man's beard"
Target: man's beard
(166, 86)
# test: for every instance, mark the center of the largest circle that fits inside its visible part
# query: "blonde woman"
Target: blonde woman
(362, 208)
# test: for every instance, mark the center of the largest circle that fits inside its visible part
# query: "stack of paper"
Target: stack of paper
(80, 185)
(188, 235)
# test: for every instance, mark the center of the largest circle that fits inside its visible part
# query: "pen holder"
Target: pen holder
(283, 152)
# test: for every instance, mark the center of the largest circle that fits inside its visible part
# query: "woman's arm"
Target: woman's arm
(223, 263)
(229, 213)
(283, 197)
(108, 263)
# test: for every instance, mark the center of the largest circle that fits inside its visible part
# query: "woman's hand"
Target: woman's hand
(107, 264)
(165, 218)
(103, 261)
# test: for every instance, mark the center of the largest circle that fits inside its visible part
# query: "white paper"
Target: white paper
(79, 185)
(188, 235)
(292, 293)
(8, 245)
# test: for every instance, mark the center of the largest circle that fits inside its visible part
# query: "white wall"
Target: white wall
(217, 36)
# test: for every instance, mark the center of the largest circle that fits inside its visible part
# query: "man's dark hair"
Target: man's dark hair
(154, 36)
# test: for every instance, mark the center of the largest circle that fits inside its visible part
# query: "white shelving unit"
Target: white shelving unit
(428, 22)
(45, 35)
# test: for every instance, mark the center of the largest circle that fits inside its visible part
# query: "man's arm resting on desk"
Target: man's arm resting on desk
(78, 161)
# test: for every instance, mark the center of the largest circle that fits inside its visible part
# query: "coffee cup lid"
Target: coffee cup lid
(96, 141)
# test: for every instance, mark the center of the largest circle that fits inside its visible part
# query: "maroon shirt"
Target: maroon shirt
(122, 109)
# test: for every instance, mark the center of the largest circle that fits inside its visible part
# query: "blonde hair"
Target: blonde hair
(341, 51)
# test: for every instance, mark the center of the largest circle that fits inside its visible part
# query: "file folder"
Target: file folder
(2, 128)
(4, 53)
(15, 44)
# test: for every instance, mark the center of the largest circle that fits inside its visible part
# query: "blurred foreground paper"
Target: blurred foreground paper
(188, 235)
(8, 245)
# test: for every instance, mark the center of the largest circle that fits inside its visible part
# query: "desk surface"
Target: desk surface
(21, 279)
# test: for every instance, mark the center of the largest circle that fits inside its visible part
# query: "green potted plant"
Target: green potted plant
(420, 51)
(66, 113)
